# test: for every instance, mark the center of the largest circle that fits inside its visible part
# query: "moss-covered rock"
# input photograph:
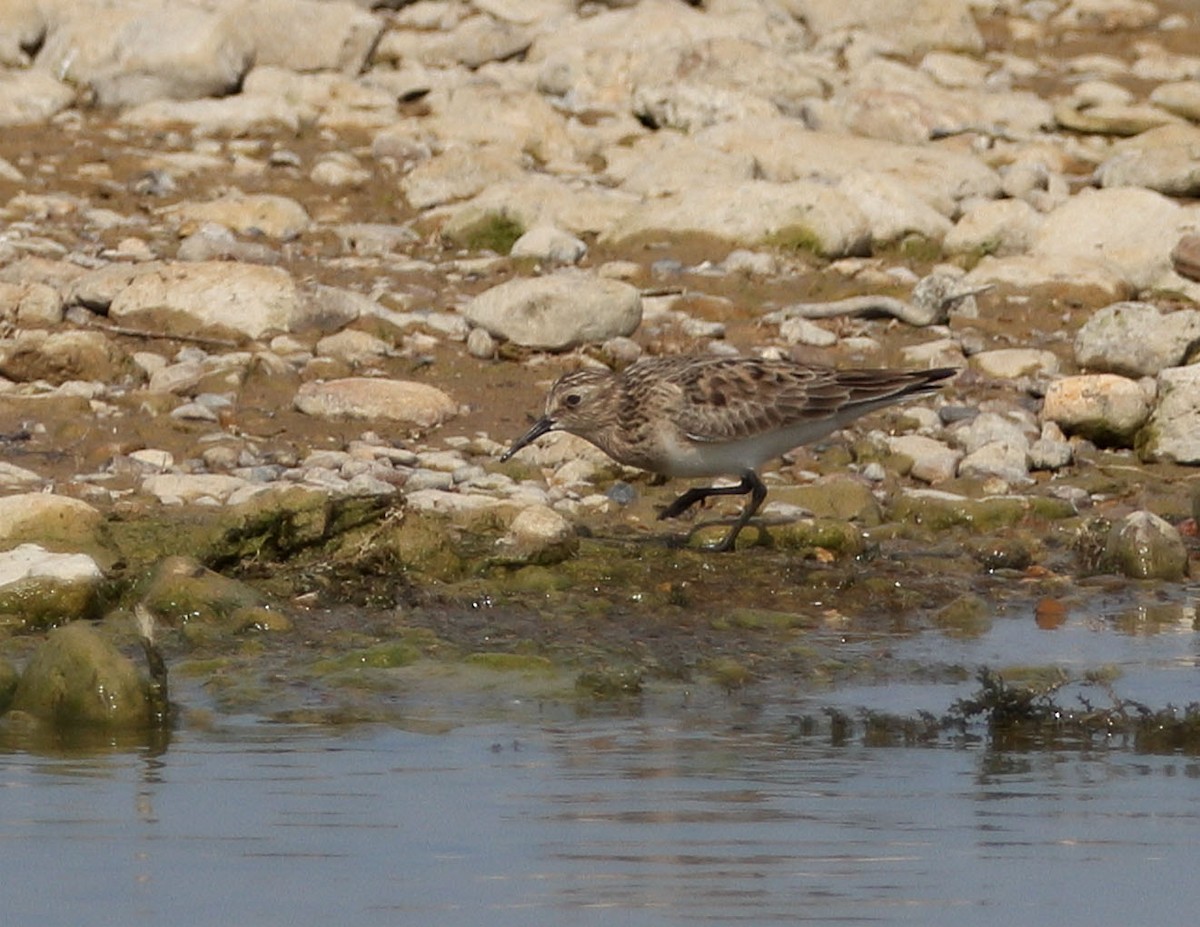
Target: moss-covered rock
(8, 684)
(78, 678)
(966, 616)
(41, 589)
(55, 523)
(1144, 546)
(840, 497)
(822, 538)
(180, 590)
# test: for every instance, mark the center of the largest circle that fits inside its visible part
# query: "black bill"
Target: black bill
(540, 427)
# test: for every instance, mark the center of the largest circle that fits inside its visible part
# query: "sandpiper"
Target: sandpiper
(694, 416)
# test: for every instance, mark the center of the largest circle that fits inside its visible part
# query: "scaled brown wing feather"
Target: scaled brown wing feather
(729, 404)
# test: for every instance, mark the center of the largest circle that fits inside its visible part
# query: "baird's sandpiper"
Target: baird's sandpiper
(695, 416)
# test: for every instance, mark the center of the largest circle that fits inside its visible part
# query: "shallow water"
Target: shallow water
(689, 808)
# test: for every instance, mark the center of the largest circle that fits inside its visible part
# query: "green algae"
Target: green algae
(76, 677)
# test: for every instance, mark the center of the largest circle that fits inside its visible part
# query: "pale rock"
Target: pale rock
(539, 534)
(39, 305)
(887, 100)
(893, 211)
(1179, 97)
(1080, 113)
(211, 242)
(180, 378)
(237, 115)
(1051, 451)
(1090, 279)
(932, 461)
(181, 488)
(61, 356)
(511, 119)
(801, 214)
(331, 308)
(195, 412)
(402, 401)
(1129, 229)
(992, 428)
(997, 459)
(262, 213)
(1014, 363)
(750, 263)
(1102, 407)
(525, 12)
(699, 83)
(667, 162)
(955, 70)
(339, 169)
(353, 347)
(995, 227)
(469, 42)
(1136, 339)
(687, 106)
(785, 150)
(557, 448)
(246, 299)
(537, 199)
(444, 502)
(944, 352)
(153, 459)
(804, 331)
(373, 239)
(23, 26)
(31, 561)
(306, 35)
(910, 28)
(1173, 432)
(557, 312)
(29, 97)
(1165, 159)
(481, 344)
(48, 518)
(14, 477)
(131, 53)
(458, 173)
(547, 243)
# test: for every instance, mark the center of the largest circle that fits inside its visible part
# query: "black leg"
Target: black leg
(758, 492)
(700, 493)
(750, 484)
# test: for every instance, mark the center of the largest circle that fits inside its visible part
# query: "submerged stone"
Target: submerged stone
(78, 678)
(180, 590)
(1144, 546)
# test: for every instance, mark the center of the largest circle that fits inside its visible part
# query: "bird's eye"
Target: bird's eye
(572, 400)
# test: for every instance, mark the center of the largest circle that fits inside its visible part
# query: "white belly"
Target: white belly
(687, 458)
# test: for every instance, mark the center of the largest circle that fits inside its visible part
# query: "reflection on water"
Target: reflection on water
(717, 810)
(654, 821)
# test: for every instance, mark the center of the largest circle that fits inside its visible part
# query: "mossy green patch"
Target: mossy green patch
(512, 662)
(966, 616)
(493, 231)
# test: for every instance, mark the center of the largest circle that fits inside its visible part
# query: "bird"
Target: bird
(706, 416)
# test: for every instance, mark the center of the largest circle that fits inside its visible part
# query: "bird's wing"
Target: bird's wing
(735, 400)
(727, 402)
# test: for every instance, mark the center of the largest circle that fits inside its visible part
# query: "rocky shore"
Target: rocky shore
(280, 279)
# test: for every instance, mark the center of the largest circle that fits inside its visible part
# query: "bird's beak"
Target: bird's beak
(540, 427)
